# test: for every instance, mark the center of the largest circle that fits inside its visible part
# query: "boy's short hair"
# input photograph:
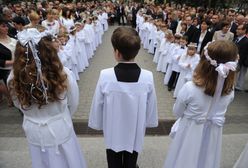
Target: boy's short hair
(126, 41)
(185, 38)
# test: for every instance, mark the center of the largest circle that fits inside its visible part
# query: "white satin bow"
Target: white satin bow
(30, 34)
(223, 69)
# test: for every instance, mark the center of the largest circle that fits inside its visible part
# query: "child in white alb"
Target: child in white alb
(124, 103)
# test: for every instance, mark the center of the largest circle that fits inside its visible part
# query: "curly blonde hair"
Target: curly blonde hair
(25, 75)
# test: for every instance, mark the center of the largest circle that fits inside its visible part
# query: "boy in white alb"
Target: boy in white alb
(175, 60)
(124, 103)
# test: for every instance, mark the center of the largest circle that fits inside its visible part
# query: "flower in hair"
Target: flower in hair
(212, 61)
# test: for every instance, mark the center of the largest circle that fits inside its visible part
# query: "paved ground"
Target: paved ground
(14, 151)
(13, 148)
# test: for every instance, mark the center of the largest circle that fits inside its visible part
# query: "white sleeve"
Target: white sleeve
(195, 62)
(182, 63)
(72, 92)
(62, 57)
(152, 113)
(96, 112)
(182, 101)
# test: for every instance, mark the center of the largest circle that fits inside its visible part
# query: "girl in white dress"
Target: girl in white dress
(72, 46)
(66, 20)
(165, 48)
(81, 45)
(89, 43)
(187, 64)
(201, 106)
(50, 23)
(48, 96)
(161, 39)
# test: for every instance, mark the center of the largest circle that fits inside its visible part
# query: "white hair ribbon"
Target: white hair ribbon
(223, 71)
(27, 35)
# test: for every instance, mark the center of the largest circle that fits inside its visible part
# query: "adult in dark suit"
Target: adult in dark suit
(191, 29)
(240, 19)
(231, 19)
(202, 36)
(120, 12)
(215, 24)
(233, 28)
(172, 22)
(134, 13)
(78, 10)
(242, 44)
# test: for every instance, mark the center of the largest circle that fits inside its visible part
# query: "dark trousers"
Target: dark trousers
(121, 20)
(173, 79)
(121, 159)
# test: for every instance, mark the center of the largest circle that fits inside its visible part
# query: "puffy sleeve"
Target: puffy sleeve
(182, 101)
(152, 113)
(96, 112)
(72, 92)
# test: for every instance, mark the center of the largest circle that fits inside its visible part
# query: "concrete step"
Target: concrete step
(14, 151)
(82, 129)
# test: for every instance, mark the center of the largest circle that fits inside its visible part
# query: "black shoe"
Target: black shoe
(169, 89)
(246, 90)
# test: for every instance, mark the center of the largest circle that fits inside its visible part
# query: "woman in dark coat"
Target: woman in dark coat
(202, 36)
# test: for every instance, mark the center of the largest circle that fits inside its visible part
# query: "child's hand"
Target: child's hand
(178, 58)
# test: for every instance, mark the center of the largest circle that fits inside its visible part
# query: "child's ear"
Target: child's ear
(118, 55)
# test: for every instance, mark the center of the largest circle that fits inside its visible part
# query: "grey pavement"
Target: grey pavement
(13, 146)
(14, 151)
